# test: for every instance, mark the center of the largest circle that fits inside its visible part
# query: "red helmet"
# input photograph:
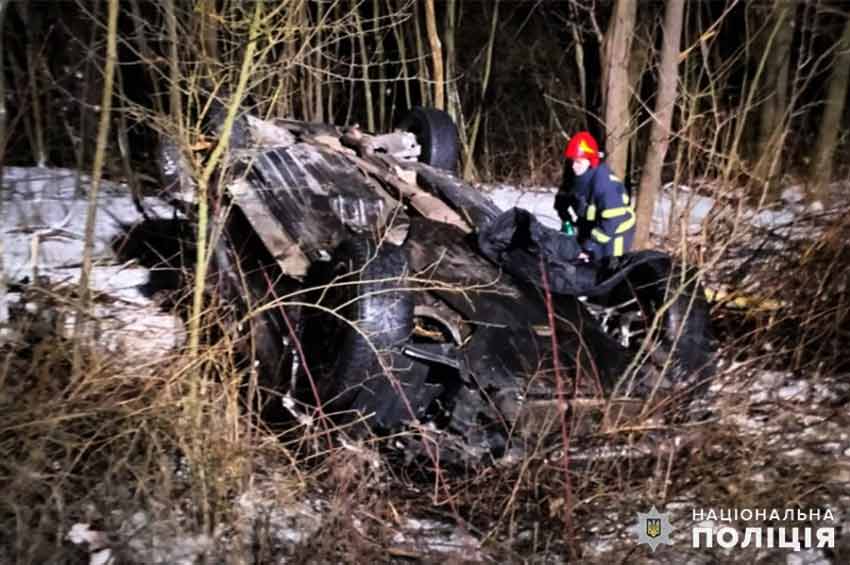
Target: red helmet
(583, 145)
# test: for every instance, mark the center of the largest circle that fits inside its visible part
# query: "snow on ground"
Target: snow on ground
(42, 222)
(676, 204)
(791, 433)
(673, 203)
(538, 200)
(49, 205)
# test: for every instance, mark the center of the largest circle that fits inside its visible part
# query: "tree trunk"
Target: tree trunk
(616, 49)
(746, 106)
(422, 67)
(668, 76)
(4, 310)
(773, 109)
(830, 125)
(453, 103)
(97, 171)
(378, 34)
(176, 104)
(453, 100)
(436, 55)
(318, 62)
(469, 149)
(146, 54)
(203, 181)
(209, 30)
(580, 67)
(3, 5)
(32, 22)
(364, 60)
(306, 74)
(402, 57)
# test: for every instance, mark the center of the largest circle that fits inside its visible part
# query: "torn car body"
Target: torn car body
(382, 289)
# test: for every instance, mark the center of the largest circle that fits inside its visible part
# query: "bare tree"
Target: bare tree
(4, 314)
(97, 171)
(836, 96)
(32, 19)
(318, 111)
(145, 50)
(453, 102)
(364, 59)
(207, 18)
(398, 31)
(203, 181)
(449, 31)
(3, 5)
(175, 102)
(575, 31)
(771, 122)
(425, 93)
(380, 57)
(469, 148)
(616, 52)
(436, 55)
(746, 106)
(668, 76)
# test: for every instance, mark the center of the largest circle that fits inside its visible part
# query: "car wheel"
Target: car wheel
(436, 133)
(660, 313)
(352, 336)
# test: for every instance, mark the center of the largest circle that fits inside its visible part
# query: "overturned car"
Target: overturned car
(367, 283)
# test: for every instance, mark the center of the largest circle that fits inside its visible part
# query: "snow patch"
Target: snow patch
(432, 537)
(98, 543)
(281, 523)
(540, 201)
(44, 218)
(680, 205)
(162, 542)
(42, 227)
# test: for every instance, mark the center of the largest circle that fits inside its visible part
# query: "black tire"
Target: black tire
(680, 349)
(436, 133)
(349, 375)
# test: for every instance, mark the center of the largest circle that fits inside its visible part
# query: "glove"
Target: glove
(563, 200)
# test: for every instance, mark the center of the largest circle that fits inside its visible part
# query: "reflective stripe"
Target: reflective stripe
(618, 246)
(625, 199)
(627, 224)
(599, 236)
(615, 212)
(591, 213)
(614, 177)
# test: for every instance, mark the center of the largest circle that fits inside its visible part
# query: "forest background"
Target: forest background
(745, 92)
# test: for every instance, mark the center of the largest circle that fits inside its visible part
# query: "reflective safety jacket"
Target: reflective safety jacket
(606, 217)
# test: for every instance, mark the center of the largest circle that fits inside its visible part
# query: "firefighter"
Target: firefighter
(593, 201)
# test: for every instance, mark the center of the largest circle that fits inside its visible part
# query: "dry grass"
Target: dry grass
(117, 440)
(120, 440)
